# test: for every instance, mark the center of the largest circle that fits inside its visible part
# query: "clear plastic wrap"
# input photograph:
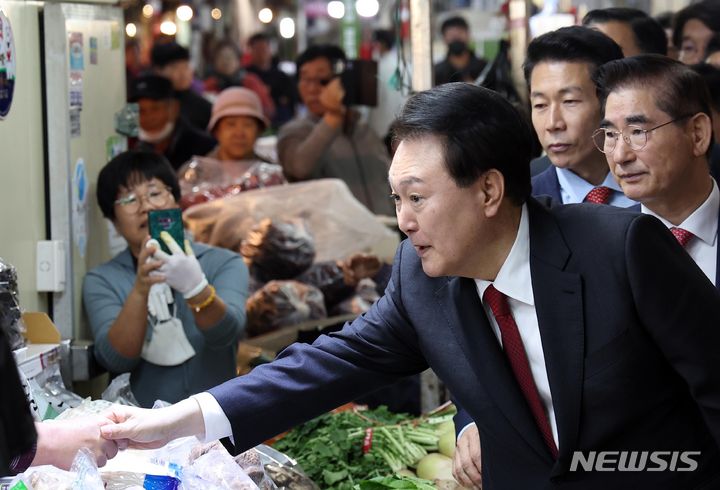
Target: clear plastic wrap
(83, 475)
(86, 407)
(119, 391)
(339, 223)
(216, 467)
(365, 295)
(204, 179)
(251, 463)
(329, 278)
(278, 250)
(10, 314)
(283, 303)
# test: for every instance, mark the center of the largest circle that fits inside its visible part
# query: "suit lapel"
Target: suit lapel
(717, 265)
(559, 309)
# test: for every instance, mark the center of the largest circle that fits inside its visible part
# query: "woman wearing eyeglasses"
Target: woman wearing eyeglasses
(172, 320)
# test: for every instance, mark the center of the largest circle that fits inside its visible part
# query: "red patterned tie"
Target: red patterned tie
(682, 236)
(599, 195)
(515, 353)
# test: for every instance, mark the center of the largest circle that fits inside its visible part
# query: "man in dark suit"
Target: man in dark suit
(561, 330)
(657, 134)
(565, 112)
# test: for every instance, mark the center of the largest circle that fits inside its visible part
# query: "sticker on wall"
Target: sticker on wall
(76, 89)
(115, 145)
(115, 36)
(74, 114)
(79, 206)
(93, 50)
(7, 65)
(77, 56)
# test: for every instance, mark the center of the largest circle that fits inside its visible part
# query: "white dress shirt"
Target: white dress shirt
(574, 188)
(703, 223)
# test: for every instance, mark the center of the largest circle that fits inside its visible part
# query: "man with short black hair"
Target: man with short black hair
(460, 64)
(172, 61)
(561, 330)
(634, 30)
(282, 89)
(694, 27)
(565, 112)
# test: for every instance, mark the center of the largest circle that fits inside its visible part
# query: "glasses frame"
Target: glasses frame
(124, 202)
(627, 138)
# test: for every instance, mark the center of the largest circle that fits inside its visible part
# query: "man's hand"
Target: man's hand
(150, 429)
(59, 441)
(467, 464)
(331, 98)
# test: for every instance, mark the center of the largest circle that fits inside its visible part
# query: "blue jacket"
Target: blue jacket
(105, 290)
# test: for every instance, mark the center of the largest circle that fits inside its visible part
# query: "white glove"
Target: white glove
(182, 270)
(159, 298)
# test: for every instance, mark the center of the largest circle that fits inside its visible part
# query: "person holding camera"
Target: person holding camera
(172, 320)
(330, 141)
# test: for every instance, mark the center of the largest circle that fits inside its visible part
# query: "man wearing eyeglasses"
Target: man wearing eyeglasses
(565, 111)
(330, 141)
(656, 134)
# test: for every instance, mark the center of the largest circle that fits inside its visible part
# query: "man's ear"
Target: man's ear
(701, 133)
(491, 191)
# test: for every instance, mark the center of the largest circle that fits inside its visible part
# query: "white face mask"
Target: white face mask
(168, 345)
(156, 136)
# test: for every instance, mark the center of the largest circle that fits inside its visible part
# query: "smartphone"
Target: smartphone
(169, 220)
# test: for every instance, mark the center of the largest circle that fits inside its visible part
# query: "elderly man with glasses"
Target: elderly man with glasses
(656, 134)
(171, 321)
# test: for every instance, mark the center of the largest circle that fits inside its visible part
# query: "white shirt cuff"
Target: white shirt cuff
(217, 424)
(462, 431)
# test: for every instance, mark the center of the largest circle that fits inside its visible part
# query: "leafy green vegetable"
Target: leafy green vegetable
(396, 482)
(330, 447)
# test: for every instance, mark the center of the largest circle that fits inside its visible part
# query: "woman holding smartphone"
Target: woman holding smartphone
(172, 320)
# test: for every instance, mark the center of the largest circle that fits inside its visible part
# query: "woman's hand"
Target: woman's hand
(147, 274)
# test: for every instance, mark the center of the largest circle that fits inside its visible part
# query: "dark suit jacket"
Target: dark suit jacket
(636, 208)
(539, 165)
(629, 326)
(546, 183)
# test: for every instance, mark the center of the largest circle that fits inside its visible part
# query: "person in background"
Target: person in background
(562, 329)
(162, 129)
(237, 121)
(25, 443)
(460, 64)
(227, 72)
(330, 141)
(712, 53)
(172, 61)
(172, 321)
(632, 29)
(390, 92)
(657, 134)
(694, 26)
(711, 75)
(282, 88)
(565, 111)
(666, 19)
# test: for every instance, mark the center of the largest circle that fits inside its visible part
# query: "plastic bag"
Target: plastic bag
(216, 467)
(283, 303)
(329, 278)
(365, 295)
(54, 391)
(339, 223)
(126, 480)
(119, 391)
(278, 250)
(10, 314)
(83, 475)
(204, 179)
(251, 463)
(86, 407)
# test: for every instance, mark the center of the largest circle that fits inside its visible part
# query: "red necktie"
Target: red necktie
(682, 236)
(515, 353)
(599, 195)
